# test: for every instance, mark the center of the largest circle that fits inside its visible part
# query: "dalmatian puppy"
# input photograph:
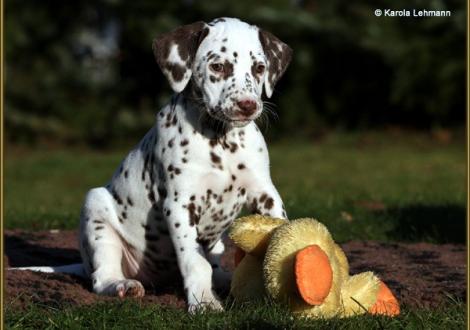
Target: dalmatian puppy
(169, 202)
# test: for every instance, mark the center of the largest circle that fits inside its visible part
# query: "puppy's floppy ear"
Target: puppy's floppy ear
(175, 51)
(278, 55)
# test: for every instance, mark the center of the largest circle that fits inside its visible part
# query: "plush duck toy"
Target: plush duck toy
(297, 262)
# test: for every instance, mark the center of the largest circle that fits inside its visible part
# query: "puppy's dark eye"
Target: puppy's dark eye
(217, 67)
(260, 68)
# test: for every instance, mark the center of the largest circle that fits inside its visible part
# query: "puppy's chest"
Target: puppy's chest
(216, 209)
(220, 192)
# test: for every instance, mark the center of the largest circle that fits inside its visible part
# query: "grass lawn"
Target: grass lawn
(131, 315)
(387, 187)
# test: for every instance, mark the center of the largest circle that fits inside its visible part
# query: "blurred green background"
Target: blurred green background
(83, 72)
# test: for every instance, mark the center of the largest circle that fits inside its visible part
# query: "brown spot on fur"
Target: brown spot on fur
(241, 166)
(228, 70)
(116, 197)
(269, 203)
(193, 216)
(263, 198)
(177, 71)
(215, 158)
(233, 147)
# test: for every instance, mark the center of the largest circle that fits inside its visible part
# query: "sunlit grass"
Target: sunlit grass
(133, 315)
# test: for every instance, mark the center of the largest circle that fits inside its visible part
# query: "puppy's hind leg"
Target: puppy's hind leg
(101, 247)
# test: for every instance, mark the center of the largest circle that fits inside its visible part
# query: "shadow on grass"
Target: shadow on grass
(434, 223)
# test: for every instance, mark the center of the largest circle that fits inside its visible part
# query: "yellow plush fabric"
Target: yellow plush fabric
(271, 246)
(343, 263)
(252, 233)
(247, 280)
(359, 293)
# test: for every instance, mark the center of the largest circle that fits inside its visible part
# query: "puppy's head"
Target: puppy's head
(229, 62)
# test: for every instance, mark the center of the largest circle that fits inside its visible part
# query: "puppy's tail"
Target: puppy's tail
(75, 269)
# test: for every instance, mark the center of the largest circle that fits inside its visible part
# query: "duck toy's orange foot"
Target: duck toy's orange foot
(386, 303)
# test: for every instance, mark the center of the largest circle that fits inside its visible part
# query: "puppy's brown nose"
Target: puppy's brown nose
(247, 107)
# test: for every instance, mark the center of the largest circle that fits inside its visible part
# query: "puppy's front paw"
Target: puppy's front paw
(205, 300)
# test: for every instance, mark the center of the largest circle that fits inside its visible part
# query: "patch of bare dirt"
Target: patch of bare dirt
(420, 274)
